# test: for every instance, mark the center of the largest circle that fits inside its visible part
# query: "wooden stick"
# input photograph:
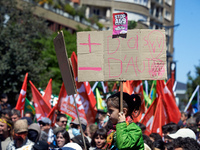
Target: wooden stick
(121, 96)
(79, 123)
(151, 89)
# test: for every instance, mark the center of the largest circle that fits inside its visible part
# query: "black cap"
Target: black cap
(41, 145)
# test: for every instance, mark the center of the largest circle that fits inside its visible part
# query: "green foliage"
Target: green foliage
(99, 25)
(49, 56)
(69, 9)
(58, 6)
(93, 19)
(81, 12)
(81, 29)
(132, 24)
(19, 50)
(193, 81)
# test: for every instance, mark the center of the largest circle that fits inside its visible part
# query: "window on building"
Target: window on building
(168, 15)
(96, 12)
(169, 2)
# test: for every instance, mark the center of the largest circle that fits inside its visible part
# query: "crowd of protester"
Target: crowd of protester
(111, 130)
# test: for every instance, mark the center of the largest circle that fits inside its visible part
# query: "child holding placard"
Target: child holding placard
(124, 135)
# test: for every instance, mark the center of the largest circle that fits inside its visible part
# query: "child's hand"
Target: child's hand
(122, 117)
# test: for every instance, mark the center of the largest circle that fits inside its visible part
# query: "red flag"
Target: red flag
(48, 92)
(21, 100)
(52, 115)
(155, 117)
(160, 117)
(66, 104)
(172, 110)
(42, 109)
(127, 87)
(170, 86)
(149, 117)
(85, 92)
(114, 89)
(106, 86)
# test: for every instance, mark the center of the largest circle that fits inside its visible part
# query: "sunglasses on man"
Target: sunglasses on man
(43, 124)
(63, 121)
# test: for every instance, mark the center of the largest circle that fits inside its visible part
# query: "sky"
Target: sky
(186, 38)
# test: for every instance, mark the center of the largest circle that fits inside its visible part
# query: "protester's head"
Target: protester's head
(45, 124)
(101, 115)
(183, 132)
(76, 127)
(169, 146)
(29, 120)
(6, 113)
(4, 98)
(34, 132)
(41, 145)
(159, 145)
(62, 137)
(131, 103)
(184, 116)
(79, 140)
(5, 127)
(185, 144)
(155, 137)
(30, 115)
(61, 120)
(147, 140)
(15, 115)
(168, 129)
(91, 129)
(72, 146)
(99, 138)
(142, 126)
(20, 131)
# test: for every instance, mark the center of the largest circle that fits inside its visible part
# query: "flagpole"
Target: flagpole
(79, 122)
(151, 89)
(103, 86)
(146, 87)
(121, 96)
(94, 86)
(191, 98)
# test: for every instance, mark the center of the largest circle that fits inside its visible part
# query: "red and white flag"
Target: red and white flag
(170, 86)
(66, 104)
(21, 100)
(52, 115)
(160, 117)
(155, 117)
(172, 109)
(42, 109)
(85, 93)
(48, 92)
(163, 110)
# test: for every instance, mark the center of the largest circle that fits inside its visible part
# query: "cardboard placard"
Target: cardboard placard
(141, 55)
(63, 62)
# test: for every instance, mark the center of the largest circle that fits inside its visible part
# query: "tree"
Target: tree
(19, 50)
(193, 81)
